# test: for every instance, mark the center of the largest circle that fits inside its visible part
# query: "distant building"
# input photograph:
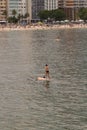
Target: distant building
(22, 7)
(71, 7)
(33, 7)
(50, 4)
(37, 6)
(3, 12)
(60, 3)
(29, 8)
(18, 5)
(12, 5)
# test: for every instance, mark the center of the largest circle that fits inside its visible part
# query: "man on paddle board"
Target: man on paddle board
(46, 76)
(47, 71)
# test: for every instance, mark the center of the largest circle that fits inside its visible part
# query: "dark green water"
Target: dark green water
(28, 104)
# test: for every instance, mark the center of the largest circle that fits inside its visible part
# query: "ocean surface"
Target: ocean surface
(29, 104)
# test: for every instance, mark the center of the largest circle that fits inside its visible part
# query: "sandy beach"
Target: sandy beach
(41, 27)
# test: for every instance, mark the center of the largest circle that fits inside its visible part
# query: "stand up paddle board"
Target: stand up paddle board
(41, 78)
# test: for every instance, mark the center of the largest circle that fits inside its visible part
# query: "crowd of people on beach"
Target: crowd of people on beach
(36, 26)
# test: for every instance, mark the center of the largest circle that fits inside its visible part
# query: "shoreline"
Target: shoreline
(42, 27)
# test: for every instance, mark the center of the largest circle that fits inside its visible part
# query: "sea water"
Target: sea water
(58, 104)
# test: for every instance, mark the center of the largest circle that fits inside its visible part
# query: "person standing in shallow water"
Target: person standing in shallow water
(47, 71)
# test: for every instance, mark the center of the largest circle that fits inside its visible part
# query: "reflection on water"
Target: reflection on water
(29, 104)
(47, 84)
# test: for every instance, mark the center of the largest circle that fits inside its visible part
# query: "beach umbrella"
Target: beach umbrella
(66, 20)
(80, 20)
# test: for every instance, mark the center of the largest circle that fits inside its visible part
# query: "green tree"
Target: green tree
(83, 13)
(19, 17)
(52, 14)
(26, 15)
(44, 14)
(58, 15)
(12, 19)
(14, 12)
